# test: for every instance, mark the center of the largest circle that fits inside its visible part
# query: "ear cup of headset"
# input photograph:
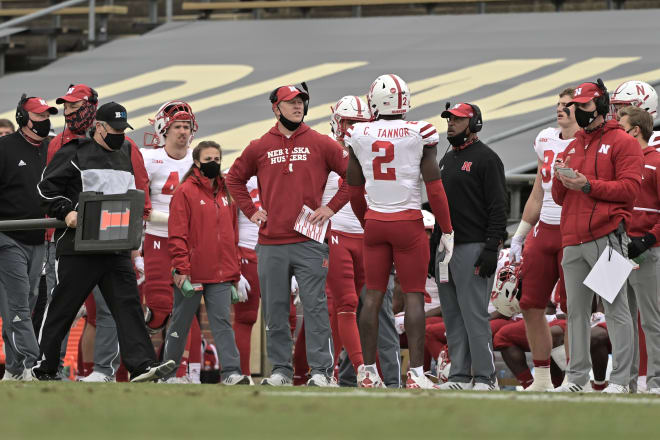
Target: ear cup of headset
(476, 123)
(22, 114)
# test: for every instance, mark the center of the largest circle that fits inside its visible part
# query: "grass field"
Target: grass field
(150, 411)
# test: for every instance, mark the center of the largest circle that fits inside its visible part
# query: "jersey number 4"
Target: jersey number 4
(546, 171)
(171, 183)
(389, 173)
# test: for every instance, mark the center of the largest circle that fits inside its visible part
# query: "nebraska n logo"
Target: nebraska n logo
(466, 166)
(604, 148)
(578, 91)
(114, 219)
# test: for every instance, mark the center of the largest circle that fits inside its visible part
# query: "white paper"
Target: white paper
(443, 273)
(608, 274)
(303, 225)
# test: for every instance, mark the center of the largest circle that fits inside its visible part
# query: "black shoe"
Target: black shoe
(155, 372)
(42, 376)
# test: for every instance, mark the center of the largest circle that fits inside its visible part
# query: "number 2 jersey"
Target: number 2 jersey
(390, 152)
(165, 174)
(547, 145)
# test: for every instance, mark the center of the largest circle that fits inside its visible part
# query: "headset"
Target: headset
(22, 117)
(302, 87)
(92, 99)
(603, 101)
(476, 122)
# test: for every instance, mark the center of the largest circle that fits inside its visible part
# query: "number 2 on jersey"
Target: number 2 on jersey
(390, 173)
(171, 183)
(546, 172)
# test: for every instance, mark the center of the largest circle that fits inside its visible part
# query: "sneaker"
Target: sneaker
(654, 390)
(236, 379)
(97, 376)
(366, 378)
(277, 380)
(614, 388)
(540, 386)
(320, 380)
(28, 376)
(8, 377)
(456, 386)
(415, 382)
(156, 371)
(479, 386)
(183, 380)
(570, 387)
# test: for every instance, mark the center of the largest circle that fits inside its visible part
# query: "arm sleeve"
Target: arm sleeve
(495, 196)
(337, 159)
(241, 171)
(628, 162)
(54, 181)
(141, 177)
(439, 204)
(655, 230)
(177, 224)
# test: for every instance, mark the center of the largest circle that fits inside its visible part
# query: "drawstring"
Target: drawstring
(288, 156)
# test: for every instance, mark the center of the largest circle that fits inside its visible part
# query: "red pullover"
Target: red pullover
(203, 236)
(291, 172)
(614, 184)
(646, 213)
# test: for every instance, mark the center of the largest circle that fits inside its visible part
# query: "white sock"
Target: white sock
(418, 371)
(542, 374)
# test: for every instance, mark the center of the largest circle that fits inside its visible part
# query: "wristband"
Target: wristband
(523, 228)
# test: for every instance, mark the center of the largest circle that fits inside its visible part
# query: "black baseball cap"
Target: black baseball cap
(114, 115)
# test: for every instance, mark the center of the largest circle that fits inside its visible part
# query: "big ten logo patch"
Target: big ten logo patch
(466, 166)
(280, 155)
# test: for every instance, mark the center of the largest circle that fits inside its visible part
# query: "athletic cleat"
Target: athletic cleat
(366, 378)
(456, 386)
(540, 386)
(8, 377)
(414, 382)
(155, 372)
(45, 377)
(654, 390)
(183, 380)
(320, 380)
(614, 388)
(237, 379)
(98, 377)
(277, 380)
(479, 386)
(570, 387)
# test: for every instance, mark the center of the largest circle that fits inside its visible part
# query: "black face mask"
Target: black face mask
(114, 141)
(210, 169)
(583, 118)
(40, 128)
(458, 139)
(289, 125)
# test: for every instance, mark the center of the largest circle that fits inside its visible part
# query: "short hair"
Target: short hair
(638, 117)
(6, 123)
(567, 92)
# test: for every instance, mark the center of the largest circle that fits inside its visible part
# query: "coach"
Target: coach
(292, 163)
(596, 212)
(473, 176)
(22, 159)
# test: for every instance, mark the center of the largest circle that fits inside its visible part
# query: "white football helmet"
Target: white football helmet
(167, 114)
(429, 219)
(506, 289)
(348, 109)
(637, 93)
(389, 95)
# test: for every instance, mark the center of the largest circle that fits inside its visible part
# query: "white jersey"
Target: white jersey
(432, 290)
(390, 152)
(165, 174)
(344, 220)
(548, 144)
(248, 232)
(655, 140)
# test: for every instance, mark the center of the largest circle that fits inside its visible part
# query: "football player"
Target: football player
(541, 267)
(639, 94)
(387, 157)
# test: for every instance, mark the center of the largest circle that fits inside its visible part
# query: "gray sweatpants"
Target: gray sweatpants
(464, 300)
(20, 269)
(577, 263)
(644, 294)
(106, 341)
(308, 261)
(389, 349)
(51, 281)
(217, 298)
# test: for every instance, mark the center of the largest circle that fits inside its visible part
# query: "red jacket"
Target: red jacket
(291, 172)
(203, 236)
(646, 213)
(614, 185)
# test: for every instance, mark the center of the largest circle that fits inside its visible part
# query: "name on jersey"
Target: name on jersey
(279, 156)
(393, 132)
(157, 161)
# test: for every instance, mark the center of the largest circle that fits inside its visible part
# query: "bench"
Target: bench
(77, 10)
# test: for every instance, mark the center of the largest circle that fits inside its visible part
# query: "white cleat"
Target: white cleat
(415, 382)
(485, 387)
(155, 372)
(28, 376)
(277, 380)
(237, 379)
(368, 378)
(654, 390)
(614, 388)
(183, 380)
(456, 386)
(97, 377)
(540, 386)
(570, 387)
(8, 377)
(320, 380)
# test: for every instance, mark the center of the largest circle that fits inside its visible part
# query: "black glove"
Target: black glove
(487, 261)
(639, 245)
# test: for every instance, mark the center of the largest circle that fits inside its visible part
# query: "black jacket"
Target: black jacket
(21, 165)
(82, 165)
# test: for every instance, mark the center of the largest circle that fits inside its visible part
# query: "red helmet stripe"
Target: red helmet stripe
(398, 89)
(359, 106)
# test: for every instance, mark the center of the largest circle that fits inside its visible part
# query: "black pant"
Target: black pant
(76, 277)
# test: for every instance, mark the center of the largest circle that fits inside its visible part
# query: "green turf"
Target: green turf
(150, 411)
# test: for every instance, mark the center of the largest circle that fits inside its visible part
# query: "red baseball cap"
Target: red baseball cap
(78, 92)
(287, 93)
(585, 92)
(38, 105)
(462, 110)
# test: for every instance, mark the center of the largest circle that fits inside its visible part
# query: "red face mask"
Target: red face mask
(80, 120)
